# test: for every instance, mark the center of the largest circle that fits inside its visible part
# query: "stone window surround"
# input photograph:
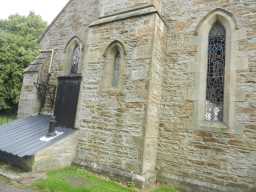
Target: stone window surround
(108, 67)
(68, 51)
(232, 65)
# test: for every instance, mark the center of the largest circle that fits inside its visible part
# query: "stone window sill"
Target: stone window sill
(211, 125)
(113, 91)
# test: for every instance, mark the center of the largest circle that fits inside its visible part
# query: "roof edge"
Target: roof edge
(135, 12)
(54, 20)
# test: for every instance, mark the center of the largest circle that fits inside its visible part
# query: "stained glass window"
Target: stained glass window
(215, 73)
(116, 68)
(75, 60)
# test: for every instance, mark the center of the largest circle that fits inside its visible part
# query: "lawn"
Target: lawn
(74, 179)
(165, 189)
(6, 119)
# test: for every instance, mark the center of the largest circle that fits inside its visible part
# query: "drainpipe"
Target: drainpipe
(49, 73)
(51, 61)
(52, 122)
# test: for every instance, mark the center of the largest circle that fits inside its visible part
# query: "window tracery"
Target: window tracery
(75, 60)
(216, 73)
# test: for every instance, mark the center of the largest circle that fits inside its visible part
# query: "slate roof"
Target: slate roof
(22, 137)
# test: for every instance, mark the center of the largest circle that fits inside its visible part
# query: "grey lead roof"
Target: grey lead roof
(22, 137)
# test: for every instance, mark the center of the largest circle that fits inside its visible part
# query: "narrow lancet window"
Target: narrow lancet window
(216, 73)
(116, 68)
(75, 60)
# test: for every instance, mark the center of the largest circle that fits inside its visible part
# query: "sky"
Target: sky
(48, 9)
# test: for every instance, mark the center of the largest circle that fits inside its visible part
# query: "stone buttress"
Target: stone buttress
(119, 126)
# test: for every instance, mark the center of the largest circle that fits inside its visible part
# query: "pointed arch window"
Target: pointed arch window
(114, 65)
(214, 93)
(116, 68)
(216, 73)
(76, 55)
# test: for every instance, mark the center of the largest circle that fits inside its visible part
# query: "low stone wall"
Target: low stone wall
(56, 156)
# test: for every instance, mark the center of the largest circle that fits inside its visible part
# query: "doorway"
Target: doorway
(67, 100)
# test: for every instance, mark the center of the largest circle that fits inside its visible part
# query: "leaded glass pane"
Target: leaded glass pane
(75, 60)
(215, 73)
(116, 69)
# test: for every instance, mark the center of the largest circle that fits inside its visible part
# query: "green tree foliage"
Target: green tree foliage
(18, 48)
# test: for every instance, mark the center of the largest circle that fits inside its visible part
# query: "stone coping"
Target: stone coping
(147, 10)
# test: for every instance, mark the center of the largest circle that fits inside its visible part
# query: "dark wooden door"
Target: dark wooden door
(67, 100)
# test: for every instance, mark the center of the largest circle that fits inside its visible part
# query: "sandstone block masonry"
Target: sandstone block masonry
(151, 127)
(122, 123)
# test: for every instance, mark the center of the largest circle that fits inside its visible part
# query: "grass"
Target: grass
(6, 119)
(165, 189)
(8, 183)
(4, 180)
(74, 179)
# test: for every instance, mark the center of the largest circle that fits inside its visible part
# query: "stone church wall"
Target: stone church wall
(210, 157)
(29, 103)
(149, 128)
(110, 7)
(72, 22)
(113, 120)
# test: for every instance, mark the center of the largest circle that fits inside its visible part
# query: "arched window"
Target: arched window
(214, 91)
(216, 73)
(75, 59)
(114, 63)
(116, 67)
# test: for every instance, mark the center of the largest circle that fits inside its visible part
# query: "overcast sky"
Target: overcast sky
(48, 9)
